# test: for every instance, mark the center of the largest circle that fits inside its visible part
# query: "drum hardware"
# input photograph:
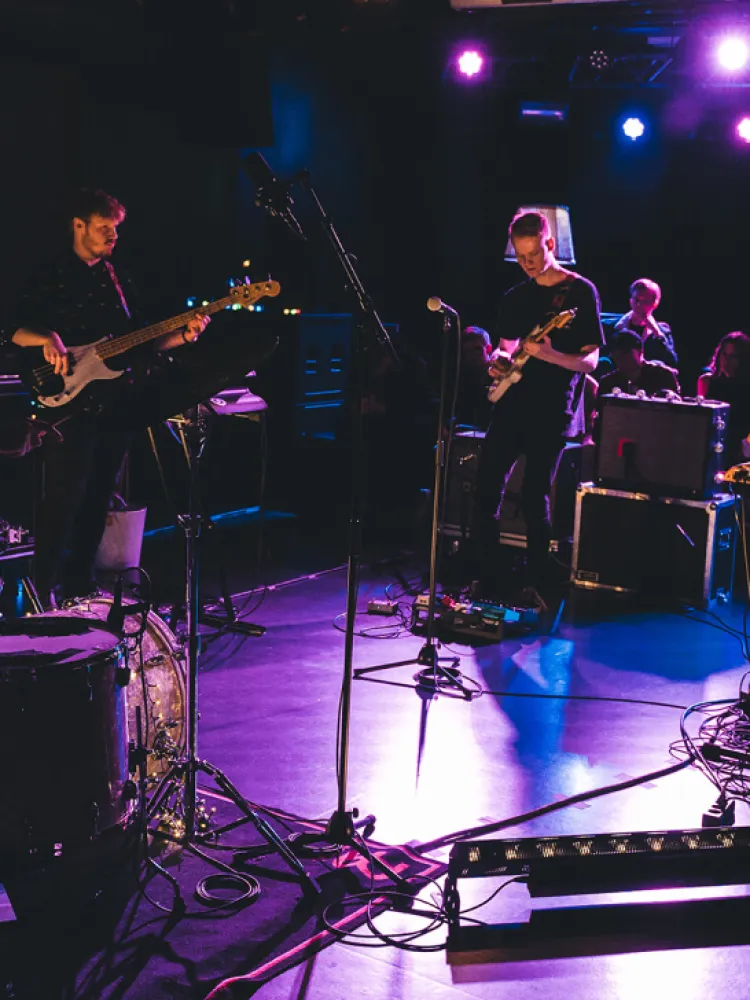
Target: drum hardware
(175, 800)
(242, 404)
(139, 764)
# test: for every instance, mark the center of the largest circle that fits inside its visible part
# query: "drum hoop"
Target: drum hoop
(87, 658)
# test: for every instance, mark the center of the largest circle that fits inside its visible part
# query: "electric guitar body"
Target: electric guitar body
(520, 356)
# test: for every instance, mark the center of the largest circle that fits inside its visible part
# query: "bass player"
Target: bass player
(78, 300)
(537, 414)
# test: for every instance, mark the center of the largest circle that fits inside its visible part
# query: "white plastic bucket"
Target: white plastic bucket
(120, 547)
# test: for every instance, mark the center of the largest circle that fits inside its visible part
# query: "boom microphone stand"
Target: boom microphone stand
(274, 196)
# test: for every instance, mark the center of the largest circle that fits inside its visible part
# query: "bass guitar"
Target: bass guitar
(88, 363)
(520, 356)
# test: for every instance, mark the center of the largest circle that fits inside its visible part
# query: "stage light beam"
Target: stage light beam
(470, 63)
(743, 129)
(732, 54)
(633, 128)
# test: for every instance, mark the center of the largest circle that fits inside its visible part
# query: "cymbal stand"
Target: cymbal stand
(180, 779)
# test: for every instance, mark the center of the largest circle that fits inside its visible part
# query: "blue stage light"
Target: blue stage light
(633, 128)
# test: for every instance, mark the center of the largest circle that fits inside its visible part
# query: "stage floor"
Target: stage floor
(268, 718)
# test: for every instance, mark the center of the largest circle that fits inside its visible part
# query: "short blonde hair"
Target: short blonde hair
(529, 224)
(647, 285)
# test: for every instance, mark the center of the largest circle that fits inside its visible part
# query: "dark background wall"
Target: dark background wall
(420, 173)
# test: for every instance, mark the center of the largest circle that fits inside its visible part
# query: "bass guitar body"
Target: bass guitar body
(84, 367)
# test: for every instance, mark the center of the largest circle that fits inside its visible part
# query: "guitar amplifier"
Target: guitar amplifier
(666, 447)
(666, 548)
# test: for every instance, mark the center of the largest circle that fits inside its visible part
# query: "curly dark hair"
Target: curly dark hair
(93, 201)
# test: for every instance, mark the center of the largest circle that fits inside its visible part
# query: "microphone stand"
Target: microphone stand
(436, 676)
(341, 829)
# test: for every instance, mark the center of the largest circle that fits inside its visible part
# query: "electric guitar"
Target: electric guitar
(88, 363)
(520, 356)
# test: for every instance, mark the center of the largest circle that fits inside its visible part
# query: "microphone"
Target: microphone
(435, 305)
(116, 616)
(271, 193)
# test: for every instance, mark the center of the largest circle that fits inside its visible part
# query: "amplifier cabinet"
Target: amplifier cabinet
(671, 447)
(668, 548)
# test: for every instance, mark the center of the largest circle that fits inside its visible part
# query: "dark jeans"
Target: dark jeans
(80, 472)
(504, 444)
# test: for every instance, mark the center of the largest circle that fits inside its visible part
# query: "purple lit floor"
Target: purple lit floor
(268, 718)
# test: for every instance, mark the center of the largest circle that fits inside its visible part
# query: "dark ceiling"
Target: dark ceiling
(639, 44)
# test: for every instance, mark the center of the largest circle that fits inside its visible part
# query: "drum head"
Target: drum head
(47, 642)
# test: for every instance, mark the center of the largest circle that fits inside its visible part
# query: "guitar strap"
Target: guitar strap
(115, 281)
(561, 297)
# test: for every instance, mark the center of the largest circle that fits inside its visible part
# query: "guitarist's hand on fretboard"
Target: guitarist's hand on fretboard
(539, 348)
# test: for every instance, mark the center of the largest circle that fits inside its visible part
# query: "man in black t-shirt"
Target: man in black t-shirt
(536, 415)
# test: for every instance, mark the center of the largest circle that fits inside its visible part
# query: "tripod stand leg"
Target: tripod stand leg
(341, 830)
(263, 828)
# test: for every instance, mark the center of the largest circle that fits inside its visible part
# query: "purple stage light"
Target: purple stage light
(470, 63)
(633, 128)
(732, 54)
(743, 129)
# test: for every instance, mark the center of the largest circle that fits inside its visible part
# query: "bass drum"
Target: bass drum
(157, 687)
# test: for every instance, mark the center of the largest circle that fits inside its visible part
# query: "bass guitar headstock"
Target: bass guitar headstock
(246, 295)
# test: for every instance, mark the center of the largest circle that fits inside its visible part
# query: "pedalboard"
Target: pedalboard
(478, 619)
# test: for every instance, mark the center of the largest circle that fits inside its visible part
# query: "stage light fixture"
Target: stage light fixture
(537, 111)
(633, 128)
(743, 129)
(732, 54)
(190, 302)
(470, 63)
(599, 59)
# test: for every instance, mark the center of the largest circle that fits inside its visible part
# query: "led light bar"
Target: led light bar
(610, 862)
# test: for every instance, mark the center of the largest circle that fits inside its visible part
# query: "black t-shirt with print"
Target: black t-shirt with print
(547, 393)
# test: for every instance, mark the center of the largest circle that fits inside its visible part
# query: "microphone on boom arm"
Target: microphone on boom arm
(435, 304)
(271, 193)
